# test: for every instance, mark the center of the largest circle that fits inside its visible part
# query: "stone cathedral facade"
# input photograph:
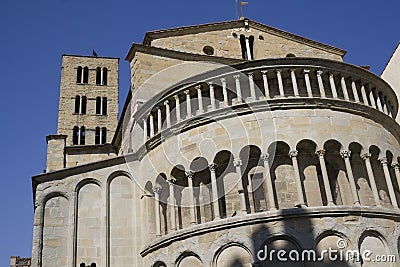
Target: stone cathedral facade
(235, 138)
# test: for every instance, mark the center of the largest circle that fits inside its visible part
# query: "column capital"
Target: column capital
(187, 92)
(319, 72)
(306, 71)
(292, 71)
(210, 83)
(264, 72)
(189, 174)
(250, 74)
(157, 190)
(293, 153)
(345, 153)
(176, 97)
(158, 108)
(366, 156)
(278, 71)
(331, 75)
(383, 160)
(395, 165)
(320, 153)
(166, 102)
(223, 80)
(265, 156)
(198, 87)
(171, 180)
(150, 115)
(237, 162)
(212, 167)
(236, 77)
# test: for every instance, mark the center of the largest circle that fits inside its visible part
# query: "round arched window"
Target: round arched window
(208, 50)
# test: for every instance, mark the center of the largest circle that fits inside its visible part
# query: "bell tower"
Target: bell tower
(88, 111)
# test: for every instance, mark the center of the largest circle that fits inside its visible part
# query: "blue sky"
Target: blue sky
(34, 35)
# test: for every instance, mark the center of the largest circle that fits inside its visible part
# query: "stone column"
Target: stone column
(366, 157)
(177, 108)
(151, 126)
(172, 202)
(190, 176)
(37, 246)
(224, 92)
(280, 83)
(199, 99)
(266, 86)
(384, 105)
(325, 177)
(188, 104)
(344, 88)
(321, 83)
(145, 130)
(249, 57)
(238, 89)
(355, 93)
(364, 95)
(157, 191)
(159, 119)
(389, 182)
(345, 154)
(269, 190)
(333, 86)
(252, 87)
(168, 113)
(294, 82)
(378, 101)
(217, 214)
(308, 82)
(396, 167)
(212, 95)
(237, 163)
(372, 98)
(293, 155)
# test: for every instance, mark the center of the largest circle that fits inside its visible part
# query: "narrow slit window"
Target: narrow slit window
(98, 75)
(83, 105)
(82, 136)
(85, 75)
(104, 106)
(243, 46)
(104, 80)
(103, 135)
(77, 104)
(79, 75)
(97, 136)
(75, 135)
(98, 105)
(251, 44)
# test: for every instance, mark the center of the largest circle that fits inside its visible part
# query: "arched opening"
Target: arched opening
(98, 105)
(311, 174)
(252, 180)
(202, 184)
(379, 176)
(227, 188)
(282, 175)
(181, 197)
(361, 176)
(79, 74)
(340, 185)
(85, 75)
(82, 135)
(75, 135)
(77, 104)
(98, 76)
(103, 137)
